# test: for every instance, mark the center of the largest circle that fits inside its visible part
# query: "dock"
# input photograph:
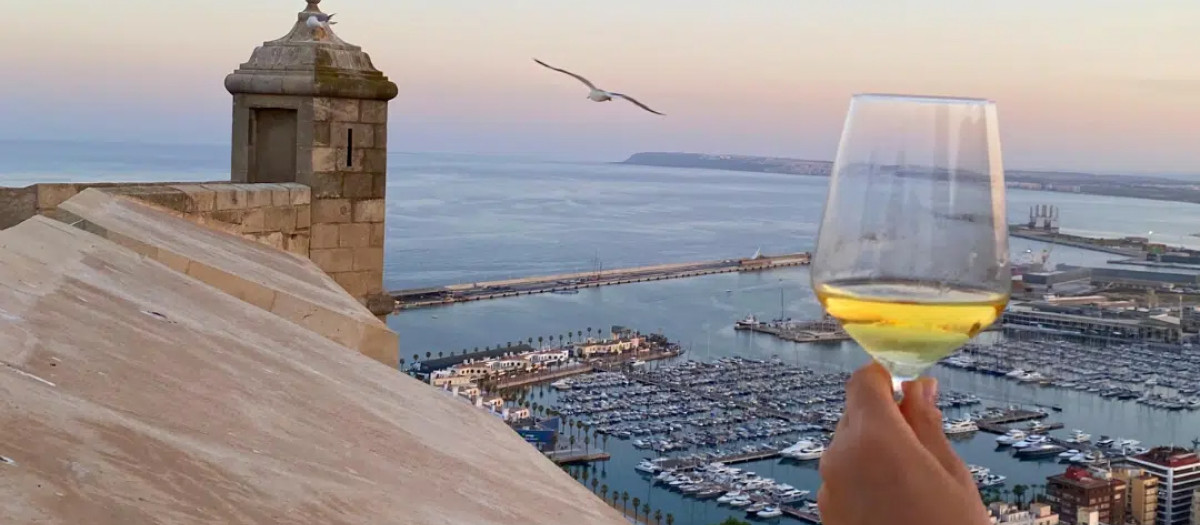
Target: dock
(998, 424)
(800, 515)
(573, 282)
(815, 331)
(574, 457)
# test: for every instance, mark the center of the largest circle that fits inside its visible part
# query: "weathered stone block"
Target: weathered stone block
(368, 259)
(335, 109)
(281, 219)
(374, 111)
(173, 261)
(374, 160)
(373, 282)
(330, 211)
(273, 239)
(333, 260)
(378, 234)
(373, 210)
(379, 186)
(244, 289)
(258, 195)
(254, 221)
(324, 236)
(327, 185)
(363, 135)
(300, 193)
(381, 136)
(355, 283)
(229, 197)
(350, 160)
(228, 216)
(324, 159)
(303, 216)
(321, 134)
(354, 235)
(357, 185)
(298, 243)
(280, 195)
(203, 199)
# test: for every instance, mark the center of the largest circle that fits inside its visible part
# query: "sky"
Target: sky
(1097, 85)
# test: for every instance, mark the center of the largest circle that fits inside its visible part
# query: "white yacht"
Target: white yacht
(770, 512)
(803, 443)
(1011, 437)
(740, 502)
(730, 496)
(1068, 454)
(1029, 441)
(813, 451)
(1105, 441)
(990, 480)
(562, 384)
(1079, 436)
(960, 426)
(647, 466)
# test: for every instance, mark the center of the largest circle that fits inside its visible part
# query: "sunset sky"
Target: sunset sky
(1102, 85)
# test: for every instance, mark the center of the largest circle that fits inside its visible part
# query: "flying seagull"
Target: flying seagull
(315, 20)
(596, 94)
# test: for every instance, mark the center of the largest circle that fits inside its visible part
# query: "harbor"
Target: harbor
(571, 283)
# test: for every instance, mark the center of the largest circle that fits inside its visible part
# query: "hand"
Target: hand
(892, 463)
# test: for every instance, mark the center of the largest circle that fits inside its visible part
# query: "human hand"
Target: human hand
(892, 463)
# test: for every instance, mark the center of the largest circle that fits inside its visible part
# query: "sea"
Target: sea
(456, 218)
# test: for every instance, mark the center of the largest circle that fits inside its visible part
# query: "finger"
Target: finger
(920, 411)
(869, 394)
(830, 511)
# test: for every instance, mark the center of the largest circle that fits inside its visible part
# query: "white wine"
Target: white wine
(908, 326)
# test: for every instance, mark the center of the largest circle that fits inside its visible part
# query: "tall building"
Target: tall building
(1178, 473)
(1079, 488)
(1141, 495)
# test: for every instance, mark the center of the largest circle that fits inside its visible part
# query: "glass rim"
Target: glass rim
(922, 98)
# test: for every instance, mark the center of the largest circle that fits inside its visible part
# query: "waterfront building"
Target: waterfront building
(621, 342)
(1009, 514)
(1079, 487)
(1141, 495)
(1178, 473)
(1131, 329)
(429, 365)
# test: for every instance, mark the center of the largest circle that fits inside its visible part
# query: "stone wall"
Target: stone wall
(348, 181)
(278, 215)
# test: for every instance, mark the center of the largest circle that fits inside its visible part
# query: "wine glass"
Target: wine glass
(912, 254)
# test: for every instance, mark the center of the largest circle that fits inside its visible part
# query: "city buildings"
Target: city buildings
(1079, 488)
(1141, 495)
(1008, 514)
(1178, 473)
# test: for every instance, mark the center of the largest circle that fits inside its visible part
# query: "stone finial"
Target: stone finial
(312, 6)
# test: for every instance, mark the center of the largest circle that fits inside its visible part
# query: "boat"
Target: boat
(1136, 451)
(1029, 441)
(1104, 441)
(1079, 436)
(1039, 450)
(990, 480)
(1068, 454)
(740, 502)
(730, 496)
(562, 384)
(1011, 437)
(745, 324)
(708, 493)
(756, 507)
(641, 443)
(813, 451)
(770, 512)
(961, 426)
(647, 466)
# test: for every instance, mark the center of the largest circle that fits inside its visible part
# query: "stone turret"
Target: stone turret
(311, 108)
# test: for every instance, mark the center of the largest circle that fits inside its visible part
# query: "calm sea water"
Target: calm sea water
(454, 218)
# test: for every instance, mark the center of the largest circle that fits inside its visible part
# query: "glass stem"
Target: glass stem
(898, 388)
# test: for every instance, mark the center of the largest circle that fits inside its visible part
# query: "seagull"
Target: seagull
(315, 20)
(597, 94)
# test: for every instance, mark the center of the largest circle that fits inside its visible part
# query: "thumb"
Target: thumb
(921, 412)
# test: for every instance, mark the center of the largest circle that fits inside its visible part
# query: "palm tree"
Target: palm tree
(604, 492)
(508, 344)
(646, 511)
(670, 519)
(595, 482)
(440, 355)
(572, 441)
(560, 338)
(636, 503)
(606, 442)
(583, 476)
(587, 442)
(658, 517)
(539, 341)
(530, 340)
(625, 501)
(1019, 492)
(589, 331)
(416, 357)
(428, 355)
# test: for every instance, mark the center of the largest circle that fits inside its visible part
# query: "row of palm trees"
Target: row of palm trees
(991, 495)
(640, 509)
(569, 336)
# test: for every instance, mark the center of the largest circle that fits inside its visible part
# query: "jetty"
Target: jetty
(573, 282)
(809, 331)
(800, 514)
(997, 424)
(574, 456)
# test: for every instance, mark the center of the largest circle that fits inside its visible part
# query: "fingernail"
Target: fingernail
(930, 389)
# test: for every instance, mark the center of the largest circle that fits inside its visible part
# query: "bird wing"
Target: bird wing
(636, 103)
(585, 81)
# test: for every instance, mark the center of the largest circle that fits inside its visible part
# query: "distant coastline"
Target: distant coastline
(1136, 186)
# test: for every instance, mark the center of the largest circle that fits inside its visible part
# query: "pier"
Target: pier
(572, 282)
(731, 459)
(996, 425)
(574, 456)
(822, 330)
(800, 515)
